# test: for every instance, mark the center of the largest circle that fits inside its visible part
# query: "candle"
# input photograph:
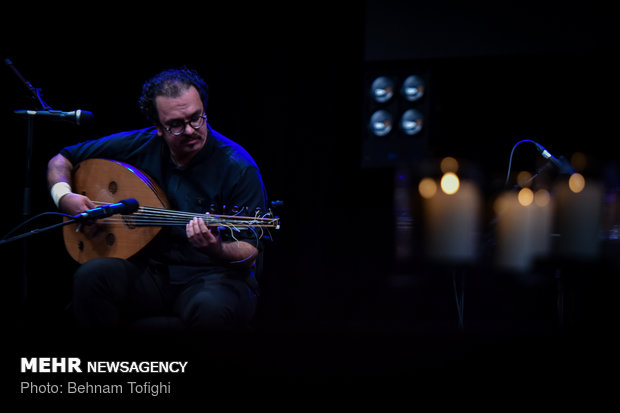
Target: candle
(451, 212)
(579, 213)
(524, 222)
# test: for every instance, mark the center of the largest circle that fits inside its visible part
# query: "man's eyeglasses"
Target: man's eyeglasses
(178, 127)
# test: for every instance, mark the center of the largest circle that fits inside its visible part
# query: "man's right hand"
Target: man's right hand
(74, 204)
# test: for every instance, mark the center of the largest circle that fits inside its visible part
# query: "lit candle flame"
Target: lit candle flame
(576, 182)
(450, 183)
(526, 196)
(427, 188)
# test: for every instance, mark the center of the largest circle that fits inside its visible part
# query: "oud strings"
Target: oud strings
(164, 217)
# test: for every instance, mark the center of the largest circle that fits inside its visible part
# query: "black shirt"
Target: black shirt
(222, 175)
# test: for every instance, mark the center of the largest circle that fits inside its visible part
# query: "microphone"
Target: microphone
(78, 116)
(126, 206)
(562, 164)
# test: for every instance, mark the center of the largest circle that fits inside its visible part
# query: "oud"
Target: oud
(121, 236)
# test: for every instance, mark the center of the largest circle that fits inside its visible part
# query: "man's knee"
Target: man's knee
(206, 312)
(101, 274)
(219, 309)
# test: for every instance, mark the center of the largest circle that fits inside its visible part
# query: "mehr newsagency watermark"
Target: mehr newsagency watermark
(119, 376)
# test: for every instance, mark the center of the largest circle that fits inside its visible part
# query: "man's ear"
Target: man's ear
(160, 129)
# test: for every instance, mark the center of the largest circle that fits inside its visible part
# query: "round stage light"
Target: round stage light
(411, 121)
(382, 89)
(413, 88)
(381, 123)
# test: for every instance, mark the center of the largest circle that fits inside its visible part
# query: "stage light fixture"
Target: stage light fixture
(381, 123)
(411, 122)
(413, 88)
(397, 113)
(382, 89)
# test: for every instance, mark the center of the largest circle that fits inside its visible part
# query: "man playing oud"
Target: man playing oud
(201, 278)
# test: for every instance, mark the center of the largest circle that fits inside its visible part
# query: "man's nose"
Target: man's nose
(188, 127)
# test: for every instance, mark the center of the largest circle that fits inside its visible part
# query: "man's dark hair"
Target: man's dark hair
(170, 83)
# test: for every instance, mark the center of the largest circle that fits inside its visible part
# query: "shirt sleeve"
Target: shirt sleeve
(248, 193)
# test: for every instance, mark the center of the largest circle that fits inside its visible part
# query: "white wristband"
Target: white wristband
(59, 189)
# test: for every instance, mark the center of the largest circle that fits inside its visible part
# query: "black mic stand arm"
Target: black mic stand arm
(37, 231)
(26, 210)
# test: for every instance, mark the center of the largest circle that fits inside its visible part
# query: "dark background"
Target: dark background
(288, 83)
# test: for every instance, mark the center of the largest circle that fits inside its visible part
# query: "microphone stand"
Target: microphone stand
(26, 209)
